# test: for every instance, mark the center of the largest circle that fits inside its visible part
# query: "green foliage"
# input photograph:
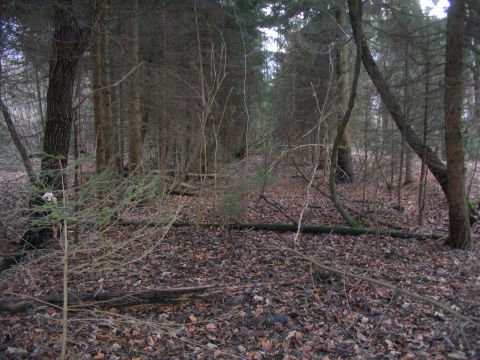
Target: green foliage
(263, 177)
(231, 207)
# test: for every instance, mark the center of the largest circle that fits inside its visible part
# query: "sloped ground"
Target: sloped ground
(271, 305)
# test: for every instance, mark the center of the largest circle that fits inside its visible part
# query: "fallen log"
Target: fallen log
(180, 192)
(307, 229)
(106, 299)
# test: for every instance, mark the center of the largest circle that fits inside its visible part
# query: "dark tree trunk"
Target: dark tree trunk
(70, 41)
(459, 223)
(134, 114)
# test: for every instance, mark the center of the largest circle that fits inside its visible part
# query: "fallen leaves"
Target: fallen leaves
(273, 306)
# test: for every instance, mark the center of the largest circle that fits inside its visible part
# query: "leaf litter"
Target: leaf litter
(271, 305)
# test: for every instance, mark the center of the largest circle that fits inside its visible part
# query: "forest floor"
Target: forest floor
(271, 305)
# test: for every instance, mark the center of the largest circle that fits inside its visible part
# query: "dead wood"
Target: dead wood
(307, 229)
(106, 299)
(181, 192)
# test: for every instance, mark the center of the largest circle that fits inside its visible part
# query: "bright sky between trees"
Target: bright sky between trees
(436, 8)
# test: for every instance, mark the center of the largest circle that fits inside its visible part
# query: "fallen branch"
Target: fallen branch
(110, 299)
(307, 229)
(344, 273)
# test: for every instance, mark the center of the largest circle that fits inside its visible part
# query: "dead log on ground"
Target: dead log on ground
(181, 192)
(106, 299)
(307, 229)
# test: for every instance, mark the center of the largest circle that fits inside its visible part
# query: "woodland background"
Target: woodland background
(215, 199)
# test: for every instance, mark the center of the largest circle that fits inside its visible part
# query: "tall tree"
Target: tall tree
(459, 224)
(106, 139)
(70, 40)
(135, 144)
(344, 169)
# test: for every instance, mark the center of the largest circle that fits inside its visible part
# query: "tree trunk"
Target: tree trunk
(344, 168)
(434, 164)
(476, 81)
(106, 140)
(109, 136)
(408, 166)
(98, 114)
(340, 130)
(459, 224)
(423, 172)
(134, 115)
(70, 41)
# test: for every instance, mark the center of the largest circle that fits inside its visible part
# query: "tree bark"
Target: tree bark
(434, 164)
(459, 223)
(476, 81)
(98, 114)
(338, 139)
(70, 40)
(344, 168)
(134, 114)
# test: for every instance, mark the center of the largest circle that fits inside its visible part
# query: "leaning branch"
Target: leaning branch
(18, 143)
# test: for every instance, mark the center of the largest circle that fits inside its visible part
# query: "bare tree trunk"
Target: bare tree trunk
(134, 115)
(203, 154)
(340, 129)
(344, 168)
(162, 119)
(70, 41)
(110, 140)
(106, 141)
(98, 110)
(423, 172)
(78, 169)
(408, 166)
(459, 223)
(476, 80)
(406, 151)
